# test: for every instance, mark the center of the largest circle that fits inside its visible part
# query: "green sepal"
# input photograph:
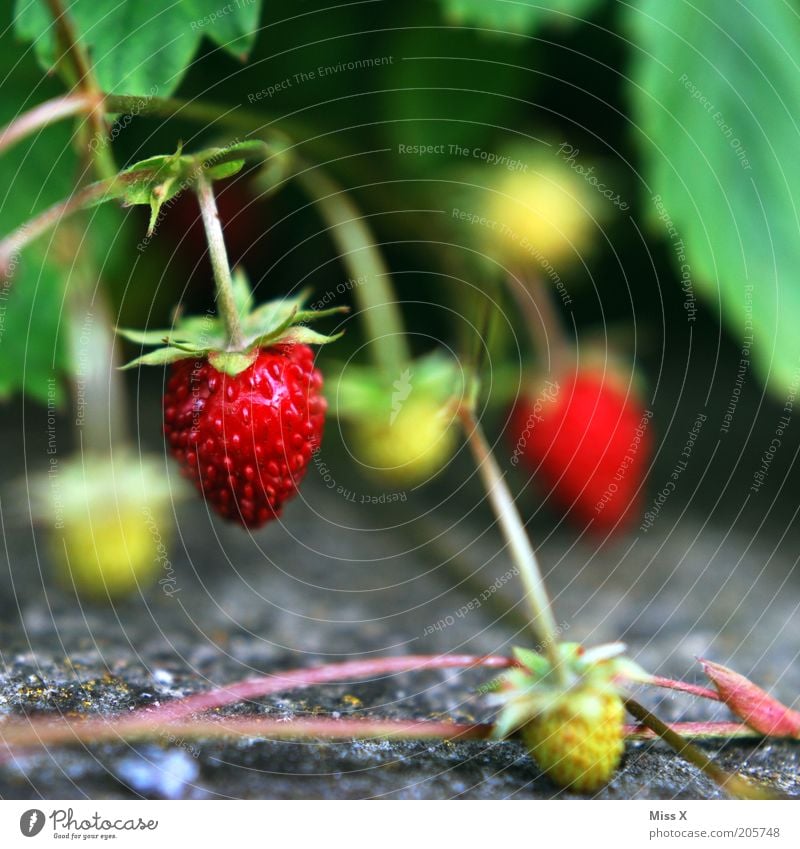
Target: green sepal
(161, 357)
(300, 335)
(232, 362)
(272, 323)
(242, 293)
(165, 176)
(525, 691)
(360, 391)
(534, 662)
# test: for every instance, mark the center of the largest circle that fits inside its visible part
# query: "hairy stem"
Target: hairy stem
(542, 622)
(49, 112)
(86, 82)
(34, 733)
(731, 783)
(683, 687)
(226, 304)
(360, 254)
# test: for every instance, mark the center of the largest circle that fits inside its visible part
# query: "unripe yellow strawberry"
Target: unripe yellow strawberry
(109, 523)
(410, 446)
(570, 716)
(537, 212)
(107, 552)
(578, 739)
(543, 214)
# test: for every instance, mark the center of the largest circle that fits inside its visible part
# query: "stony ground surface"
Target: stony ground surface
(341, 578)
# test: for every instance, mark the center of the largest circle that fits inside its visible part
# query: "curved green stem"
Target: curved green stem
(226, 303)
(362, 257)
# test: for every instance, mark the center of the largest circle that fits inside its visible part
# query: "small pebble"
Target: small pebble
(158, 773)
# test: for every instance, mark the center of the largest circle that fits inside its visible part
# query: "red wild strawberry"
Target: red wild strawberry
(246, 439)
(587, 439)
(242, 421)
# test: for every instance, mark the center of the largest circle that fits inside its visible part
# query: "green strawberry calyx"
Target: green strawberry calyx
(531, 688)
(361, 391)
(283, 321)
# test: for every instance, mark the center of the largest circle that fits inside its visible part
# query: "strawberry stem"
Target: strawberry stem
(731, 783)
(226, 304)
(24, 734)
(374, 293)
(85, 81)
(49, 112)
(543, 323)
(255, 688)
(542, 622)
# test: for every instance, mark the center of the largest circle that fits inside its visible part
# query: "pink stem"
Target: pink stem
(683, 687)
(45, 114)
(22, 735)
(256, 688)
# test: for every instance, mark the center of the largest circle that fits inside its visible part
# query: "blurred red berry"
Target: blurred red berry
(587, 439)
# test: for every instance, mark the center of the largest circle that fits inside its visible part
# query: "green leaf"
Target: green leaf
(232, 26)
(136, 48)
(33, 176)
(718, 138)
(524, 16)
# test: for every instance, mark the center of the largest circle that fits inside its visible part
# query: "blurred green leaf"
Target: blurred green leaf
(518, 15)
(33, 176)
(139, 48)
(718, 134)
(233, 25)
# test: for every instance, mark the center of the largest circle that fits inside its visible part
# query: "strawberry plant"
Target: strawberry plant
(245, 401)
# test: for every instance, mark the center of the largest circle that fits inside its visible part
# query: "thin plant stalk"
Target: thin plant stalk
(86, 82)
(536, 305)
(374, 295)
(41, 116)
(542, 620)
(731, 783)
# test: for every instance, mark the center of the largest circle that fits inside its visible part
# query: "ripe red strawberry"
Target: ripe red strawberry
(586, 437)
(246, 439)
